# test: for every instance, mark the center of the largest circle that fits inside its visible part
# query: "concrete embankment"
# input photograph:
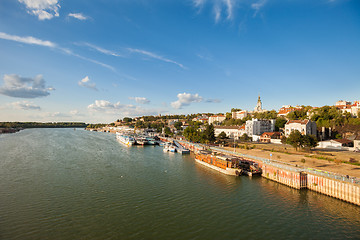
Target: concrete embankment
(333, 185)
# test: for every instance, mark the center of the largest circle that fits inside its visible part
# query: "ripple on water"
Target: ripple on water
(65, 184)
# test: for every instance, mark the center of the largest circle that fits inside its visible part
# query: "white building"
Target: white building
(231, 131)
(345, 106)
(357, 143)
(171, 122)
(258, 126)
(216, 118)
(342, 103)
(305, 127)
(335, 143)
(239, 114)
(286, 109)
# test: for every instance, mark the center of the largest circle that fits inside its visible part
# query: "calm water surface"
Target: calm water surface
(66, 184)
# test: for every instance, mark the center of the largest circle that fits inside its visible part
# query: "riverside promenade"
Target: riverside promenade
(334, 185)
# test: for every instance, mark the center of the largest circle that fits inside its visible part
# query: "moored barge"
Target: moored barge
(228, 165)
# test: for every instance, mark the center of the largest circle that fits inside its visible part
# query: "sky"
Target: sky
(98, 61)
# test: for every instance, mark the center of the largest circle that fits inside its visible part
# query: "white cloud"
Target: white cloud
(257, 6)
(78, 16)
(21, 87)
(74, 112)
(102, 50)
(185, 99)
(219, 6)
(141, 100)
(27, 40)
(217, 12)
(198, 3)
(85, 82)
(155, 56)
(43, 9)
(36, 41)
(25, 105)
(118, 109)
(229, 5)
(226, 9)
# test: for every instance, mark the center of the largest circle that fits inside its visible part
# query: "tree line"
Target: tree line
(42, 125)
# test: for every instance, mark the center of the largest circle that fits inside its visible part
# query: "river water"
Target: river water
(67, 184)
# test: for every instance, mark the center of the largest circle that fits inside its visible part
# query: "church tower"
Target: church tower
(258, 107)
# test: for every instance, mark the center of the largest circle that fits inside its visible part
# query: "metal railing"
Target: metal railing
(287, 166)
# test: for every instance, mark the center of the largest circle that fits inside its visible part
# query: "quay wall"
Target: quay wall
(329, 184)
(293, 179)
(342, 190)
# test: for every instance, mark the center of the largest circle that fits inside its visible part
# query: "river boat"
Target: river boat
(228, 165)
(169, 147)
(151, 141)
(125, 139)
(141, 141)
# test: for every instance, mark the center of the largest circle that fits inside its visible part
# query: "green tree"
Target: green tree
(167, 131)
(178, 125)
(309, 141)
(209, 133)
(245, 137)
(295, 139)
(222, 135)
(280, 123)
(192, 134)
(127, 119)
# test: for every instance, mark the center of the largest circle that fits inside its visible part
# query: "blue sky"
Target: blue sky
(97, 61)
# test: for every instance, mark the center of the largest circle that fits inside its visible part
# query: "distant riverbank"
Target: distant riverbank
(10, 130)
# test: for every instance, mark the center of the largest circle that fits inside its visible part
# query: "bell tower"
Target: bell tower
(258, 107)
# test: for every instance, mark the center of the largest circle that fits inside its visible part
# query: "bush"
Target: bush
(353, 160)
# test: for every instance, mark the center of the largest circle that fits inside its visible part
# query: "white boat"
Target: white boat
(124, 139)
(168, 147)
(172, 148)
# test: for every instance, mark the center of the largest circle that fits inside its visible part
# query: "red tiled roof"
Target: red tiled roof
(298, 121)
(227, 127)
(343, 140)
(270, 134)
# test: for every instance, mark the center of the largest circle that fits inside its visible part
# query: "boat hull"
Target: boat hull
(227, 171)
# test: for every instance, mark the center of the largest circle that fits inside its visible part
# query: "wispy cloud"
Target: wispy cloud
(78, 16)
(219, 6)
(154, 56)
(102, 50)
(27, 40)
(217, 12)
(199, 3)
(35, 41)
(229, 5)
(225, 10)
(25, 105)
(22, 87)
(141, 100)
(257, 6)
(43, 9)
(185, 99)
(85, 82)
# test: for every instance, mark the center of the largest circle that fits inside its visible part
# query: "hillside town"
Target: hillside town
(332, 127)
